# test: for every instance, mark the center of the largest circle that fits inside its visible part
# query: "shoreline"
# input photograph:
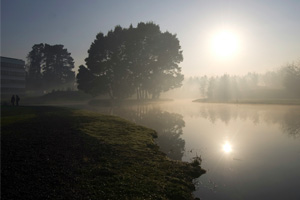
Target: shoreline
(55, 152)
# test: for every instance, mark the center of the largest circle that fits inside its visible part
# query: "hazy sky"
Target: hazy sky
(266, 32)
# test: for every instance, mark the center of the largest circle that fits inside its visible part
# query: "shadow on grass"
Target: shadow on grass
(60, 153)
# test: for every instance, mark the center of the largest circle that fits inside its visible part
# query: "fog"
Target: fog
(277, 85)
(187, 129)
(195, 73)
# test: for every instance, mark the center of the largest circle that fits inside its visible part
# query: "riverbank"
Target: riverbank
(254, 101)
(77, 97)
(60, 153)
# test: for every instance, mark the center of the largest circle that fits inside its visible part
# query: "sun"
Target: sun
(225, 44)
(227, 148)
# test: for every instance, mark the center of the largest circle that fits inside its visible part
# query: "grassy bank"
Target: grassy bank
(125, 102)
(59, 153)
(76, 97)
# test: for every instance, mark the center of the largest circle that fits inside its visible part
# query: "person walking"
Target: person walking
(17, 100)
(12, 100)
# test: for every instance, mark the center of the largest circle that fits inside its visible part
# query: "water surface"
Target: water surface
(249, 151)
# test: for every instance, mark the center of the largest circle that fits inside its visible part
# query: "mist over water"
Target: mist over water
(249, 151)
(100, 53)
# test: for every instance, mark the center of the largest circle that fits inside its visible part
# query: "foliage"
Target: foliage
(272, 86)
(291, 79)
(197, 161)
(34, 66)
(49, 67)
(141, 60)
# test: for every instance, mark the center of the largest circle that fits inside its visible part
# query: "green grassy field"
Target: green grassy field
(60, 153)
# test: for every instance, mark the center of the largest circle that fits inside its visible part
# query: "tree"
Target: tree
(291, 80)
(89, 83)
(57, 69)
(211, 88)
(49, 66)
(142, 60)
(108, 66)
(34, 67)
(203, 85)
(224, 88)
(156, 68)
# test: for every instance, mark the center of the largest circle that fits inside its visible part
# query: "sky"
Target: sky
(265, 34)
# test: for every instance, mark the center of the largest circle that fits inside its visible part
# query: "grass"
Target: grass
(126, 102)
(60, 153)
(57, 97)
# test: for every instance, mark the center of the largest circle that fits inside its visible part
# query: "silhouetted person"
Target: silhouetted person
(12, 100)
(17, 100)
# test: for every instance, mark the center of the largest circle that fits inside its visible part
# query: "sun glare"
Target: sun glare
(225, 44)
(227, 148)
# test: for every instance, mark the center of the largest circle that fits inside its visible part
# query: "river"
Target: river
(249, 151)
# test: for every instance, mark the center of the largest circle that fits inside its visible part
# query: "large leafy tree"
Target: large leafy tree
(57, 69)
(142, 60)
(34, 67)
(108, 65)
(155, 56)
(49, 67)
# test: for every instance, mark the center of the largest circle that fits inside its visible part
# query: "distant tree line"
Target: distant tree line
(291, 78)
(140, 60)
(49, 67)
(277, 84)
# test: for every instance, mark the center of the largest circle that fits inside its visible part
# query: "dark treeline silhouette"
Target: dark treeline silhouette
(278, 84)
(138, 60)
(49, 67)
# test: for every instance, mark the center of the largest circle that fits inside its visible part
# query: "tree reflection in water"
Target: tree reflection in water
(167, 125)
(287, 117)
(291, 124)
(169, 128)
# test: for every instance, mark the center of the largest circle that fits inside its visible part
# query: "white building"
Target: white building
(12, 76)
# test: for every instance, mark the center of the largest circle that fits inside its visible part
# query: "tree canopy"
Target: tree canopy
(142, 60)
(291, 80)
(49, 67)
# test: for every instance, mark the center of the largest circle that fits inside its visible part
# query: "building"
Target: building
(12, 76)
